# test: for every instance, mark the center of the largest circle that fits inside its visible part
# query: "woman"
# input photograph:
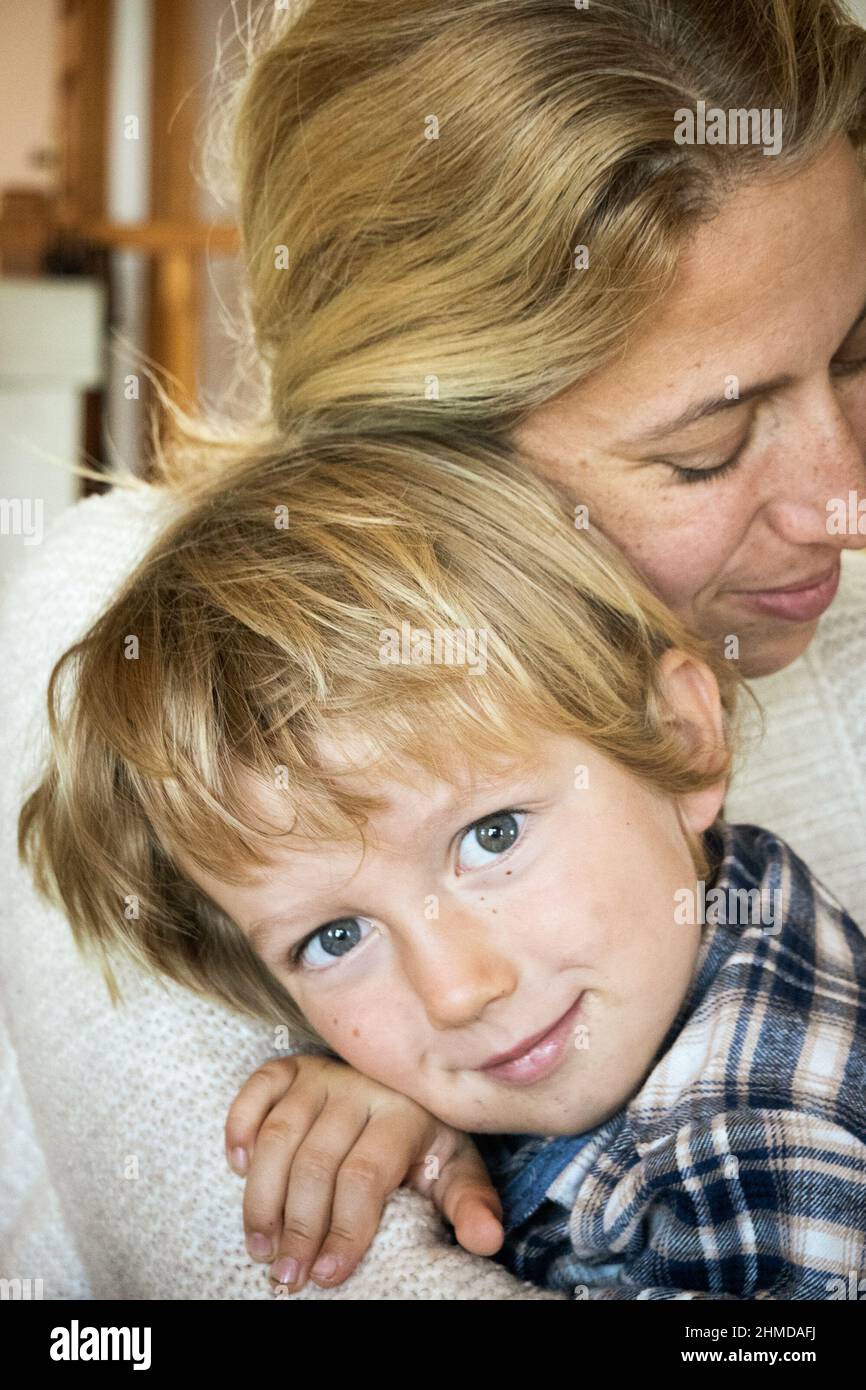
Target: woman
(489, 221)
(478, 216)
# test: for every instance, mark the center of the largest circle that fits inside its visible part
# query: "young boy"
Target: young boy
(737, 1169)
(378, 745)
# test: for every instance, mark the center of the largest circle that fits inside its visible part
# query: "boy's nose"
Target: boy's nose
(456, 971)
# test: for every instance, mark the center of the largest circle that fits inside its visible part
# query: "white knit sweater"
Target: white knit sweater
(114, 1183)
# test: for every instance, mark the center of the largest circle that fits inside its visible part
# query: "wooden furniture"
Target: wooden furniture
(177, 251)
(82, 109)
(174, 238)
(27, 228)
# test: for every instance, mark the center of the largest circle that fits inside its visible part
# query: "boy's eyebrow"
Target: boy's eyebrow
(259, 931)
(711, 405)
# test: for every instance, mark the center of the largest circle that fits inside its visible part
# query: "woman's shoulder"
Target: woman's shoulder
(804, 777)
(840, 643)
(85, 552)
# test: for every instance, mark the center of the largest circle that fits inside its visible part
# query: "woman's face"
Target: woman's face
(766, 329)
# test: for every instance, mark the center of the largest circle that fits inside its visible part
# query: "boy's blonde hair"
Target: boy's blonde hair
(256, 623)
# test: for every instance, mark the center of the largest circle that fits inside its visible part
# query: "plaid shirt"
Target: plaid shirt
(738, 1169)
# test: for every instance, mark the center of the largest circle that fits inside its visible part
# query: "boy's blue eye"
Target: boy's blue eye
(335, 939)
(488, 837)
(492, 836)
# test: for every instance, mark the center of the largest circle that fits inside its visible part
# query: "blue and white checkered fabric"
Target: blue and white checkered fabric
(738, 1169)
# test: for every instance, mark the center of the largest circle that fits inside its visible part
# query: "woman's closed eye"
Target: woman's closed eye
(487, 839)
(842, 369)
(701, 471)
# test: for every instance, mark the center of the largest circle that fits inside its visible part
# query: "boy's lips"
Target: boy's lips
(536, 1056)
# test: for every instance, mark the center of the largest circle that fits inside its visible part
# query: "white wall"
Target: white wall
(28, 35)
(128, 200)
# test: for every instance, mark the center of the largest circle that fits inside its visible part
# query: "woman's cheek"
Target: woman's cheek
(682, 575)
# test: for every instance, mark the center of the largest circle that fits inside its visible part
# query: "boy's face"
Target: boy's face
(480, 915)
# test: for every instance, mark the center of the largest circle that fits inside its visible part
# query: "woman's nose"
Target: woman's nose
(456, 968)
(819, 462)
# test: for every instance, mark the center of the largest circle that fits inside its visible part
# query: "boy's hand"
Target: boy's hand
(328, 1146)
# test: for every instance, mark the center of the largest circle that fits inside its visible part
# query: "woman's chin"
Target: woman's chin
(764, 653)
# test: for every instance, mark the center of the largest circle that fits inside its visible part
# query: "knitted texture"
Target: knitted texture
(114, 1181)
(806, 779)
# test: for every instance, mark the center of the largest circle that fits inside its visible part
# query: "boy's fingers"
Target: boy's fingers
(373, 1167)
(308, 1193)
(467, 1198)
(256, 1098)
(281, 1137)
(477, 1222)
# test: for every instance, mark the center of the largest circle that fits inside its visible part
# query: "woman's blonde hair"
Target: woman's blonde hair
(416, 179)
(261, 619)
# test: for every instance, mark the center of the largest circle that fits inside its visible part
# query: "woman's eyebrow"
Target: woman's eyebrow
(711, 405)
(699, 410)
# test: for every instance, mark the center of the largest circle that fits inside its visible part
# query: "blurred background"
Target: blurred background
(109, 240)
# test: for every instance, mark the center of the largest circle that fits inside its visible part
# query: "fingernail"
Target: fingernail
(286, 1272)
(238, 1160)
(325, 1267)
(260, 1247)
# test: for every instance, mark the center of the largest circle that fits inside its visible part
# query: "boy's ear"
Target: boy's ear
(691, 695)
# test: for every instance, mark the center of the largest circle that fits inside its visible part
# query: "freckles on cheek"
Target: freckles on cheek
(370, 1025)
(356, 1034)
(645, 540)
(340, 1027)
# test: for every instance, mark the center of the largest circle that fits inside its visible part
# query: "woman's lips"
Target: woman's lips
(542, 1058)
(799, 605)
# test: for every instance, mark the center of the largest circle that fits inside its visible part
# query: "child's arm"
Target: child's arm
(325, 1147)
